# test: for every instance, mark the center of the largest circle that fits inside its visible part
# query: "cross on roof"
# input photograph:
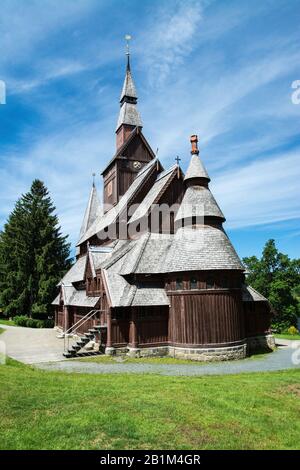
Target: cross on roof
(177, 160)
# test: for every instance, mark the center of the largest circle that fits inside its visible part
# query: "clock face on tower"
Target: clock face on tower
(137, 165)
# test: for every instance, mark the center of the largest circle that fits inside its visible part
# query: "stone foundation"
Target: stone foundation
(194, 354)
(209, 354)
(251, 345)
(260, 343)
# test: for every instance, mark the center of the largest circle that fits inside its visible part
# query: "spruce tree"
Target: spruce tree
(277, 277)
(33, 255)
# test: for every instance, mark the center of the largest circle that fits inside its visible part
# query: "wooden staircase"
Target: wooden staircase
(77, 349)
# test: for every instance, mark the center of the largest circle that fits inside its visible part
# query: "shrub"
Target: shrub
(48, 323)
(292, 330)
(20, 320)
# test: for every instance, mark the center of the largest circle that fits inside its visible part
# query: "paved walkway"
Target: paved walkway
(42, 348)
(32, 345)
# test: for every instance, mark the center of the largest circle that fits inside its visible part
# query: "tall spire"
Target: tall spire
(93, 210)
(129, 117)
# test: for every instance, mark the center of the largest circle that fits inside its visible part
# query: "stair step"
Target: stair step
(75, 347)
(93, 330)
(68, 354)
(89, 335)
(100, 327)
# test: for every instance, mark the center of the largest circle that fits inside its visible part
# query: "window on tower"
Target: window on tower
(179, 284)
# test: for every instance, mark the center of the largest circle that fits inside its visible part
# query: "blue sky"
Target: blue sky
(221, 69)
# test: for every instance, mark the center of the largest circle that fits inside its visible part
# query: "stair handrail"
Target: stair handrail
(81, 320)
(78, 324)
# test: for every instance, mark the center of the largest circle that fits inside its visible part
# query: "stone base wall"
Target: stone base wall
(251, 345)
(194, 354)
(209, 354)
(260, 343)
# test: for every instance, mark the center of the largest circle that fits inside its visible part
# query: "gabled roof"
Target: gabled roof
(135, 132)
(93, 210)
(196, 169)
(77, 298)
(56, 301)
(110, 216)
(124, 294)
(251, 295)
(75, 273)
(152, 197)
(149, 296)
(147, 255)
(98, 255)
(198, 201)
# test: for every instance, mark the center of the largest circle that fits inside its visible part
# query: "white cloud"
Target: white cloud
(260, 193)
(169, 38)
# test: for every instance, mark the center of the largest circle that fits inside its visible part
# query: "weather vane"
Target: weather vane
(127, 39)
(94, 174)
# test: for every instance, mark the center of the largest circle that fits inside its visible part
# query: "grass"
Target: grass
(53, 410)
(292, 337)
(7, 322)
(1, 330)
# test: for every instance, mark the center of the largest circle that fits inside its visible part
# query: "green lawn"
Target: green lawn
(52, 410)
(7, 322)
(1, 330)
(292, 337)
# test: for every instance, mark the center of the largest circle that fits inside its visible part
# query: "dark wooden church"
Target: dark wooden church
(156, 273)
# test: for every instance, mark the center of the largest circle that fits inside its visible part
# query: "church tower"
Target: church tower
(132, 149)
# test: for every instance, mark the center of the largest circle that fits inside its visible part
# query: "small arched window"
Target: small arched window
(193, 283)
(179, 284)
(210, 283)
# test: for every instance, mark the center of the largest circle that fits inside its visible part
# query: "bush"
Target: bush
(292, 330)
(22, 320)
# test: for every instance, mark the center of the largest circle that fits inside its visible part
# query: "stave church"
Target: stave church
(155, 272)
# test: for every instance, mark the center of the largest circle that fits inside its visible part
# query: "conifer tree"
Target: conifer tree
(277, 277)
(33, 255)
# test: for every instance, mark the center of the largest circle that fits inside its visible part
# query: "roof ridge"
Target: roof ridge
(141, 251)
(122, 252)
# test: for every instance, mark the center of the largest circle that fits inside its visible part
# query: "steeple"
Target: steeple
(198, 202)
(93, 210)
(196, 169)
(129, 117)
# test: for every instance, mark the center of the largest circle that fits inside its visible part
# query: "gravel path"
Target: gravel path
(279, 360)
(32, 345)
(43, 349)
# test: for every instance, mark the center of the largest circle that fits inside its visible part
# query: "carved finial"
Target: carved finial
(177, 159)
(94, 174)
(194, 142)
